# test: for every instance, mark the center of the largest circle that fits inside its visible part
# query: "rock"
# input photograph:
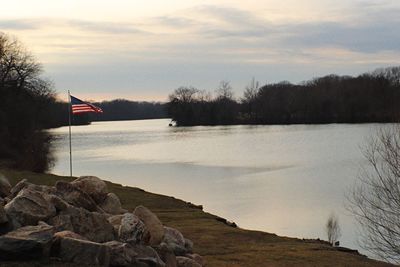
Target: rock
(124, 254)
(147, 255)
(69, 234)
(75, 196)
(3, 215)
(92, 225)
(93, 186)
(2, 201)
(57, 202)
(131, 230)
(25, 184)
(115, 221)
(29, 242)
(186, 262)
(111, 204)
(153, 225)
(197, 258)
(166, 255)
(5, 186)
(175, 241)
(82, 252)
(121, 254)
(188, 245)
(28, 207)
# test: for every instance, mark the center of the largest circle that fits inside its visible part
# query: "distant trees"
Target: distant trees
(370, 97)
(375, 201)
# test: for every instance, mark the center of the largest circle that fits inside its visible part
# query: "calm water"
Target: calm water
(280, 179)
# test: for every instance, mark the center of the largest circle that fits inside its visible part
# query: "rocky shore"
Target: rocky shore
(82, 222)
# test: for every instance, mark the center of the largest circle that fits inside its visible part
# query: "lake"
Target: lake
(279, 179)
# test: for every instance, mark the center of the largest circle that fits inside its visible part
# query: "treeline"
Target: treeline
(121, 109)
(370, 97)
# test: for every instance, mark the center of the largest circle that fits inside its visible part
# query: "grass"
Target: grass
(219, 243)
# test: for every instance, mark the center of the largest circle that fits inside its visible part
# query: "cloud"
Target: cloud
(20, 24)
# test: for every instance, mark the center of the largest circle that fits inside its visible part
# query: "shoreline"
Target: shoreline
(219, 241)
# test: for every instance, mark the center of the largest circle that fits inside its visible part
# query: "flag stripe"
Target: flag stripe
(79, 106)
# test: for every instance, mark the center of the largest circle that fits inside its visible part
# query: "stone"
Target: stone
(29, 242)
(93, 186)
(75, 196)
(155, 229)
(69, 234)
(197, 258)
(111, 204)
(25, 184)
(175, 241)
(166, 255)
(188, 245)
(81, 252)
(131, 229)
(121, 254)
(5, 186)
(57, 202)
(92, 225)
(186, 262)
(115, 221)
(147, 255)
(3, 215)
(28, 208)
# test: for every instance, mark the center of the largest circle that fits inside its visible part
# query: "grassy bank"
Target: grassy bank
(219, 243)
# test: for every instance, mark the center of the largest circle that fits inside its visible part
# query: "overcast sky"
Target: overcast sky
(143, 50)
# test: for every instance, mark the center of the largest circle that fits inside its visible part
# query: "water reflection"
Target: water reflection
(281, 179)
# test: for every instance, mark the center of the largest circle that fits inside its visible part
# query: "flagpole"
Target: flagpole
(70, 143)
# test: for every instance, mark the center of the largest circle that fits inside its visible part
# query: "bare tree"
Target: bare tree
(224, 91)
(375, 201)
(251, 91)
(333, 229)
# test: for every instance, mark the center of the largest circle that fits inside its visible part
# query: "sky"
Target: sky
(143, 50)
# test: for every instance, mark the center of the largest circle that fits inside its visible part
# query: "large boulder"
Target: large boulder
(175, 241)
(5, 186)
(124, 254)
(111, 204)
(155, 229)
(29, 242)
(115, 221)
(92, 225)
(69, 234)
(28, 208)
(80, 251)
(166, 255)
(131, 229)
(93, 186)
(197, 258)
(75, 196)
(186, 262)
(25, 184)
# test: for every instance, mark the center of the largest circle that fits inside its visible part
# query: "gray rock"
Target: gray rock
(186, 262)
(29, 207)
(5, 186)
(175, 241)
(81, 251)
(131, 229)
(188, 245)
(92, 225)
(115, 221)
(75, 196)
(197, 258)
(29, 242)
(69, 234)
(166, 255)
(122, 254)
(93, 186)
(25, 184)
(147, 255)
(155, 229)
(111, 204)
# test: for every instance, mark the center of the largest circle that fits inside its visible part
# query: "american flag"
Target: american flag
(79, 106)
